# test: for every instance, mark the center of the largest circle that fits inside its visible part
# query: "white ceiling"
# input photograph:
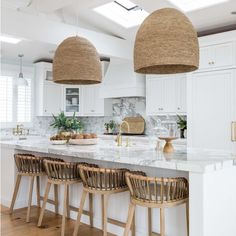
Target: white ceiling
(80, 13)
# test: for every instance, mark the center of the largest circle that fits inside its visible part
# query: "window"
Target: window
(15, 102)
(123, 12)
(192, 5)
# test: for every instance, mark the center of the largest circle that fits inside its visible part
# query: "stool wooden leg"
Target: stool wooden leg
(18, 179)
(38, 190)
(150, 221)
(102, 206)
(56, 197)
(91, 209)
(162, 221)
(67, 202)
(30, 199)
(187, 217)
(105, 204)
(81, 207)
(130, 219)
(64, 210)
(44, 203)
(133, 225)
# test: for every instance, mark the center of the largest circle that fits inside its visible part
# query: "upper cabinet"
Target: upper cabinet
(217, 56)
(166, 94)
(72, 96)
(48, 94)
(93, 104)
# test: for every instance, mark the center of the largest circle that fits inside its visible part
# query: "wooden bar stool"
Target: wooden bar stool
(64, 173)
(160, 193)
(31, 166)
(105, 182)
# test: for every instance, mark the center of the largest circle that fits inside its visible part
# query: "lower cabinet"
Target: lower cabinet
(166, 94)
(212, 109)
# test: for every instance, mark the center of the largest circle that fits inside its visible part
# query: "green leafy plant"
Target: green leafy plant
(181, 122)
(112, 124)
(106, 125)
(62, 123)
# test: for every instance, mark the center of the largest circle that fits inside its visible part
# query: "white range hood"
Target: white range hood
(120, 80)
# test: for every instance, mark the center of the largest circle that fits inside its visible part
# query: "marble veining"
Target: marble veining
(191, 160)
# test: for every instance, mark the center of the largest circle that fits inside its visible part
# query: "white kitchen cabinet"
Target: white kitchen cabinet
(217, 56)
(211, 109)
(166, 94)
(72, 97)
(47, 94)
(93, 104)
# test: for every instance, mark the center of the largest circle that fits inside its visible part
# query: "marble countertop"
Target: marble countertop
(143, 154)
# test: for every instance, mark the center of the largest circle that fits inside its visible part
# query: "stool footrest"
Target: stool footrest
(72, 208)
(48, 201)
(116, 222)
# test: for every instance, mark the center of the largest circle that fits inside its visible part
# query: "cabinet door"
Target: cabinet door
(205, 59)
(169, 94)
(51, 98)
(93, 105)
(223, 55)
(211, 108)
(154, 96)
(181, 89)
(72, 100)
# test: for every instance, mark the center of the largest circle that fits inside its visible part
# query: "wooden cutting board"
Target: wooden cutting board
(136, 124)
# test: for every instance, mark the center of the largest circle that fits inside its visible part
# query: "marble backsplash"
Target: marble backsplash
(122, 107)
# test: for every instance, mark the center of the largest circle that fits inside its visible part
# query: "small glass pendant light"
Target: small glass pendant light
(21, 81)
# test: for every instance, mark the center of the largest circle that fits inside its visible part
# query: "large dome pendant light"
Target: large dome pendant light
(166, 43)
(76, 61)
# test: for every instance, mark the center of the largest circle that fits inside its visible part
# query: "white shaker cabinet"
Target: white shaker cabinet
(217, 56)
(48, 94)
(93, 104)
(211, 109)
(166, 94)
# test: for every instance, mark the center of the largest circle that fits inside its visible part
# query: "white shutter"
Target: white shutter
(24, 103)
(6, 99)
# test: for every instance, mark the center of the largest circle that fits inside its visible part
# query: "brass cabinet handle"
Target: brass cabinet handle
(233, 131)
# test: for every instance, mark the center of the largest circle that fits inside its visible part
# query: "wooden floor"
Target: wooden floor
(15, 225)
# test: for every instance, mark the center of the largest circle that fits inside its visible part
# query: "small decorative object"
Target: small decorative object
(166, 43)
(66, 125)
(76, 61)
(182, 125)
(83, 139)
(168, 148)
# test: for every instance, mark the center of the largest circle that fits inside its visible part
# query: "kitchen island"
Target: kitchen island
(211, 175)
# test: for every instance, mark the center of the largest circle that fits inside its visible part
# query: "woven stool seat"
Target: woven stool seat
(103, 179)
(152, 192)
(66, 174)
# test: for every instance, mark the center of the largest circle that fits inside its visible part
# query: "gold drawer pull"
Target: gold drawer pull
(233, 131)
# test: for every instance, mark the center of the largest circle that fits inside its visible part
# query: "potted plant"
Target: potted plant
(106, 125)
(112, 126)
(66, 125)
(182, 125)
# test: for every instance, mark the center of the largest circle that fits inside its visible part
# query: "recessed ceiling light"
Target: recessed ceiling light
(8, 39)
(192, 5)
(123, 12)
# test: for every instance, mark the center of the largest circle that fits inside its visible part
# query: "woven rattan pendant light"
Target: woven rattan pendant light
(166, 43)
(76, 61)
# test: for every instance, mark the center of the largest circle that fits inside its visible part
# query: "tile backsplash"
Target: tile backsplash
(122, 107)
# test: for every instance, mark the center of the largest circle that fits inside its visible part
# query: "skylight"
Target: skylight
(123, 12)
(192, 5)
